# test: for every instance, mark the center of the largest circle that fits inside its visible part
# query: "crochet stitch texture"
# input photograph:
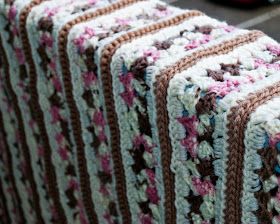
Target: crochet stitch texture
(135, 111)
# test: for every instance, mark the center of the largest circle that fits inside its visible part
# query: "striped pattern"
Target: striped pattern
(134, 111)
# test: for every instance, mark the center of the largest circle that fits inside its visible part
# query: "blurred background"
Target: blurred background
(249, 14)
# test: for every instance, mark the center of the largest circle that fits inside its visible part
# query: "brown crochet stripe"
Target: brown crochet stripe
(25, 149)
(50, 171)
(106, 58)
(10, 175)
(75, 117)
(237, 122)
(161, 86)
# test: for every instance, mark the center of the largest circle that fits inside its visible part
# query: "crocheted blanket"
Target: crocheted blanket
(134, 111)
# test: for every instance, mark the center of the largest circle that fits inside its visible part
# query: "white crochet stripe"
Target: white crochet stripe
(14, 71)
(263, 122)
(129, 52)
(199, 79)
(45, 88)
(76, 67)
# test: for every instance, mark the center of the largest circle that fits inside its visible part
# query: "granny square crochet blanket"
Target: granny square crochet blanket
(134, 111)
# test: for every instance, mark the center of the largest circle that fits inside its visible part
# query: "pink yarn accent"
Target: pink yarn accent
(89, 79)
(128, 97)
(205, 222)
(29, 192)
(98, 118)
(189, 124)
(275, 66)
(52, 64)
(105, 163)
(154, 54)
(15, 31)
(223, 88)
(126, 79)
(277, 218)
(103, 190)
(140, 140)
(83, 217)
(31, 123)
(25, 98)
(228, 28)
(102, 137)
(12, 13)
(47, 40)
(92, 1)
(56, 83)
(259, 62)
(20, 55)
(63, 153)
(108, 218)
(123, 22)
(274, 49)
(203, 187)
(190, 144)
(55, 114)
(59, 138)
(79, 42)
(190, 141)
(22, 166)
(54, 212)
(151, 176)
(274, 140)
(52, 12)
(73, 184)
(152, 194)
(262, 63)
(163, 13)
(40, 151)
(196, 43)
(89, 31)
(145, 219)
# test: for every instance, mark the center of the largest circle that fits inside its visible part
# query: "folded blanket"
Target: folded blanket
(126, 111)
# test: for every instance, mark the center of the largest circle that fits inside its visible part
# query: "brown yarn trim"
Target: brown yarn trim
(161, 86)
(25, 149)
(10, 171)
(75, 116)
(238, 119)
(50, 171)
(106, 58)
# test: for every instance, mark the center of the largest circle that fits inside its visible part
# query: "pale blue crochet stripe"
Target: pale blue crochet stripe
(11, 139)
(78, 90)
(251, 180)
(116, 67)
(157, 151)
(151, 73)
(43, 93)
(256, 138)
(176, 131)
(127, 160)
(14, 71)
